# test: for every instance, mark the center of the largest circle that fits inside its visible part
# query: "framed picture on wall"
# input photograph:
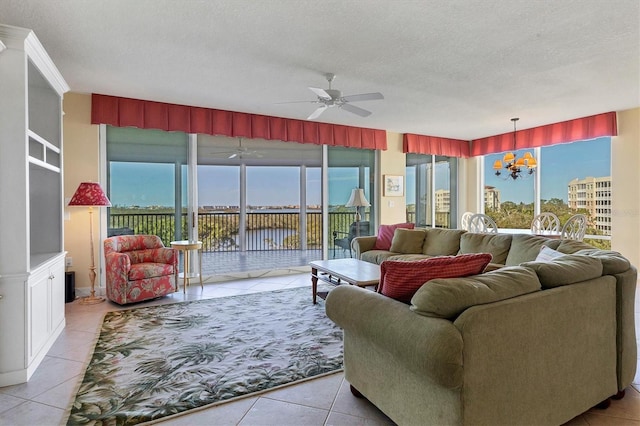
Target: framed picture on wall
(393, 185)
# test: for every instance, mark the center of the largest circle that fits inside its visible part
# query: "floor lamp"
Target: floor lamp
(90, 194)
(357, 200)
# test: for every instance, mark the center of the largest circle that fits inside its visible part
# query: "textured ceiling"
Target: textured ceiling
(457, 68)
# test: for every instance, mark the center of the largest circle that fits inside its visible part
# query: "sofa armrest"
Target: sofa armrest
(361, 244)
(427, 346)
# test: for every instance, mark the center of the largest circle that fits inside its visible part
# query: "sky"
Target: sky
(275, 186)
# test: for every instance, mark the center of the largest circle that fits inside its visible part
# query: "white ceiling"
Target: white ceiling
(456, 68)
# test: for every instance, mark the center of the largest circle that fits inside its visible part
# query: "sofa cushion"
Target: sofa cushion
(407, 241)
(612, 261)
(567, 269)
(400, 280)
(448, 298)
(547, 254)
(572, 246)
(496, 244)
(525, 248)
(385, 234)
(376, 256)
(442, 242)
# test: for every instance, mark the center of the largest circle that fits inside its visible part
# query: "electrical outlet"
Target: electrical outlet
(68, 261)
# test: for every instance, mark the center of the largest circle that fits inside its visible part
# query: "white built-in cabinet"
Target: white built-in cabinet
(32, 274)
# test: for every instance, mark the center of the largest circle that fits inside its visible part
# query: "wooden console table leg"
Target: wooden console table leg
(314, 283)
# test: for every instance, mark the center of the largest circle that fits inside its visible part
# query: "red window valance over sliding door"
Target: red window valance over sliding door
(420, 144)
(591, 127)
(125, 112)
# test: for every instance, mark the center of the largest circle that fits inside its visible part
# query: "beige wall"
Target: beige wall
(81, 164)
(625, 177)
(392, 162)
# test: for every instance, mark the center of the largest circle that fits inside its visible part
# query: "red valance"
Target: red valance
(125, 112)
(591, 127)
(420, 144)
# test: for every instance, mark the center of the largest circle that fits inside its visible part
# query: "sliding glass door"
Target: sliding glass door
(146, 182)
(349, 169)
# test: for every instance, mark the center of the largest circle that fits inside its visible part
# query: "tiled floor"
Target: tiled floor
(324, 401)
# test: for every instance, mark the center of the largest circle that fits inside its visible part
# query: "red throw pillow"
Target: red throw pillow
(385, 234)
(401, 279)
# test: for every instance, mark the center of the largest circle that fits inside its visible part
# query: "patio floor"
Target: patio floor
(223, 266)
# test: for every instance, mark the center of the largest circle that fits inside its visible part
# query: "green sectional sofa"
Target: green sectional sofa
(529, 342)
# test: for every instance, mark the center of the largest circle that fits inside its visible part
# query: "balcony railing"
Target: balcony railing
(220, 231)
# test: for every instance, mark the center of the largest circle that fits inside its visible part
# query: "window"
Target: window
(573, 178)
(146, 182)
(349, 168)
(509, 202)
(431, 192)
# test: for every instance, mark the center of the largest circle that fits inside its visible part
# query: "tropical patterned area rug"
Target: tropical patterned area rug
(157, 361)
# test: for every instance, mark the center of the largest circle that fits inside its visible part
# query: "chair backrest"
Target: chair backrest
(464, 220)
(545, 223)
(482, 223)
(125, 243)
(364, 229)
(574, 228)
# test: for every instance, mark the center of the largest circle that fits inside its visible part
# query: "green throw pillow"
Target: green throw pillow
(407, 241)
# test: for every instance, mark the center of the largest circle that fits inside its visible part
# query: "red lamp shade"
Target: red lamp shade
(89, 194)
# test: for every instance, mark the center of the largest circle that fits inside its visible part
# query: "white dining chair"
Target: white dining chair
(464, 220)
(481, 223)
(574, 228)
(545, 224)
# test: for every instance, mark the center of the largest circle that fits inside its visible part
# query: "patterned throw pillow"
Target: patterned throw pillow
(385, 234)
(400, 279)
(547, 254)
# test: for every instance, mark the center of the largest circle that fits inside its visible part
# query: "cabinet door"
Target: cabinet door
(57, 283)
(38, 311)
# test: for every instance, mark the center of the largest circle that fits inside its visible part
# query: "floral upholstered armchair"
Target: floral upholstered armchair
(139, 267)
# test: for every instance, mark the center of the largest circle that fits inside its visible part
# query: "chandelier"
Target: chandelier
(516, 167)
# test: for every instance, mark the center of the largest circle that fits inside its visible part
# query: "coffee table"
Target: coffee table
(340, 271)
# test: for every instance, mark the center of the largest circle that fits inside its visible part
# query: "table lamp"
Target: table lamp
(90, 194)
(357, 200)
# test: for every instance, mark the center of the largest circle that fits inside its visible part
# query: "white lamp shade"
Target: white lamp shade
(357, 199)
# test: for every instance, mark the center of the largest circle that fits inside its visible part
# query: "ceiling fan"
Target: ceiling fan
(329, 98)
(239, 152)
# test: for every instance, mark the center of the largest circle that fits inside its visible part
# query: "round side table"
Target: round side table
(185, 247)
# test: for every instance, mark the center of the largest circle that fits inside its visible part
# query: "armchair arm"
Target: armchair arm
(117, 266)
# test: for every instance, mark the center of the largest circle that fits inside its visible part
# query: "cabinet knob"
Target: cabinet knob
(51, 276)
(1, 296)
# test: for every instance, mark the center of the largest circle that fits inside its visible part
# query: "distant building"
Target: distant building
(443, 200)
(593, 195)
(492, 197)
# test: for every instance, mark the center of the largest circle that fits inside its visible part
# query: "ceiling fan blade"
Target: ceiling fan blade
(356, 110)
(363, 97)
(317, 112)
(321, 93)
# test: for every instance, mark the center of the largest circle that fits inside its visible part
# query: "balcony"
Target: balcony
(269, 240)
